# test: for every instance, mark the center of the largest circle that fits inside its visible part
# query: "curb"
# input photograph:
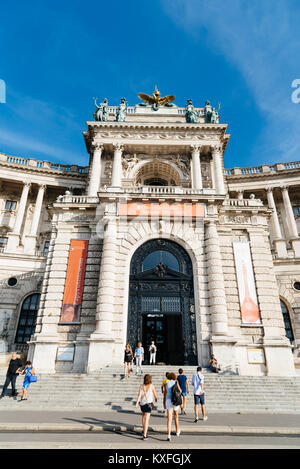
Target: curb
(230, 430)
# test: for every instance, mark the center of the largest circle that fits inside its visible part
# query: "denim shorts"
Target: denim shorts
(199, 399)
(184, 394)
(146, 408)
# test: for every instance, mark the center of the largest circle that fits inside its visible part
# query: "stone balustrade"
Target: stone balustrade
(243, 202)
(263, 169)
(33, 163)
(161, 190)
(132, 110)
(77, 199)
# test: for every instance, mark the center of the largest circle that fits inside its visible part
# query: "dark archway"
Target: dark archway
(161, 302)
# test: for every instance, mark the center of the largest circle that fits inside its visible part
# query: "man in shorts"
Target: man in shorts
(199, 395)
(184, 384)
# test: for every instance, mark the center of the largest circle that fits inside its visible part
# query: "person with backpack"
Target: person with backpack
(152, 352)
(184, 384)
(145, 400)
(29, 378)
(173, 403)
(197, 382)
(128, 357)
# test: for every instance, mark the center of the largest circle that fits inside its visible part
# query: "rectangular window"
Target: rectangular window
(10, 205)
(3, 243)
(296, 210)
(46, 248)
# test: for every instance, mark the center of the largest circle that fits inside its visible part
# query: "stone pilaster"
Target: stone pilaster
(217, 301)
(101, 341)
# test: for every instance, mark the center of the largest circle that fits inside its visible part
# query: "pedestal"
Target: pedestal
(279, 358)
(43, 355)
(30, 244)
(100, 353)
(223, 348)
(296, 246)
(280, 247)
(13, 242)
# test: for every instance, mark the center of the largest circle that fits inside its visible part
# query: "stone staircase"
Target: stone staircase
(110, 391)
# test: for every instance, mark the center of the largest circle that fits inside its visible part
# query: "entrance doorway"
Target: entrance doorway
(161, 302)
(166, 331)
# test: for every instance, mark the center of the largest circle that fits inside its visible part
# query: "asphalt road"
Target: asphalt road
(130, 441)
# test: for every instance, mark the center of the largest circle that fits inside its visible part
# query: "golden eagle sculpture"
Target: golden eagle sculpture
(156, 98)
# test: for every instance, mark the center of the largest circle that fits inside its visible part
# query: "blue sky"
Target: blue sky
(55, 56)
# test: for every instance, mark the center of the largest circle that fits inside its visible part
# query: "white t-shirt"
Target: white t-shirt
(197, 380)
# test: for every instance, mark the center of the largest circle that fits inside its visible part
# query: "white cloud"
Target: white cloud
(262, 40)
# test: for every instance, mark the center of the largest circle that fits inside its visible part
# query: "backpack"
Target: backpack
(176, 395)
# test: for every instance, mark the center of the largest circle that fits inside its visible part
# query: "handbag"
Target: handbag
(32, 379)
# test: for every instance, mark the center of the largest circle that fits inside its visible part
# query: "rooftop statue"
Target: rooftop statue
(101, 113)
(156, 99)
(191, 116)
(211, 114)
(121, 111)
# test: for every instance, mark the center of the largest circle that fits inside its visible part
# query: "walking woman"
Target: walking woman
(171, 408)
(28, 372)
(145, 400)
(128, 357)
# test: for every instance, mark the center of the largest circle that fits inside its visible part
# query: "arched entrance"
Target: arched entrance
(27, 320)
(161, 302)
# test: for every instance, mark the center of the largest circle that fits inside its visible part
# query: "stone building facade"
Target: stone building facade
(172, 246)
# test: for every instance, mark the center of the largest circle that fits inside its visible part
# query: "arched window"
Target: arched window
(158, 256)
(27, 321)
(287, 321)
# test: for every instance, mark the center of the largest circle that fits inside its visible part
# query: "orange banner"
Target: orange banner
(162, 209)
(74, 281)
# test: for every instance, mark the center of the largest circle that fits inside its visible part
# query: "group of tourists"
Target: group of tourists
(174, 389)
(15, 369)
(138, 356)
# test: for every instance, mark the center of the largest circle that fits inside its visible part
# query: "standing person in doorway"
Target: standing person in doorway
(145, 400)
(198, 383)
(184, 384)
(152, 352)
(13, 370)
(128, 357)
(172, 408)
(28, 372)
(139, 357)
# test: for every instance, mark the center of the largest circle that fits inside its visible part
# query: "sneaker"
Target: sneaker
(2, 395)
(204, 418)
(177, 434)
(169, 438)
(196, 420)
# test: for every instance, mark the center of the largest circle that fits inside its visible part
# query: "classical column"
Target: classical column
(278, 240)
(37, 210)
(293, 230)
(21, 209)
(14, 237)
(218, 169)
(116, 179)
(196, 165)
(95, 170)
(30, 240)
(101, 341)
(217, 296)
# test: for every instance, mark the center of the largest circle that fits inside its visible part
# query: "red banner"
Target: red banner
(74, 281)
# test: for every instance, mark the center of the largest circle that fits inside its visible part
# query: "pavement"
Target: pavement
(82, 421)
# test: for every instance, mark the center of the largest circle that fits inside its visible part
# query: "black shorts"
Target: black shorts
(199, 399)
(146, 408)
